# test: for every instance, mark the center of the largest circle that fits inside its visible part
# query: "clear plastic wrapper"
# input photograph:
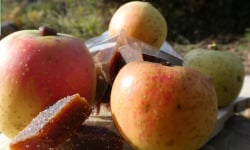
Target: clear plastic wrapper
(112, 53)
(104, 41)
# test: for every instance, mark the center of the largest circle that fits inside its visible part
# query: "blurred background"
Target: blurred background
(212, 24)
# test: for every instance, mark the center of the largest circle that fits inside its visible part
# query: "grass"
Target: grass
(76, 17)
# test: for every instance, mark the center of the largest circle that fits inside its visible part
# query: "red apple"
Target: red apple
(37, 68)
(163, 108)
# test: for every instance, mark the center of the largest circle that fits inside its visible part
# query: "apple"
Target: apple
(140, 20)
(164, 108)
(37, 68)
(225, 69)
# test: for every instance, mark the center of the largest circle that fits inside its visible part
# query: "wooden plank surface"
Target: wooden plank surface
(235, 134)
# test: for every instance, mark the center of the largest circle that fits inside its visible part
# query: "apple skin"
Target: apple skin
(36, 71)
(140, 20)
(224, 68)
(159, 107)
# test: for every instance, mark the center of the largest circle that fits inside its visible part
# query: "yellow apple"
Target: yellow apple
(140, 20)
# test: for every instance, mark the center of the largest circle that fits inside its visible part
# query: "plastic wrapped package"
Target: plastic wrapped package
(229, 126)
(110, 54)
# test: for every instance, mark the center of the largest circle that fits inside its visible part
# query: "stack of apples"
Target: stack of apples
(169, 108)
(156, 106)
(153, 106)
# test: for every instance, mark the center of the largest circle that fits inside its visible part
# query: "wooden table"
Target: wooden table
(235, 134)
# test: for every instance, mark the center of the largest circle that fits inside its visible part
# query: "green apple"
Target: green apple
(224, 68)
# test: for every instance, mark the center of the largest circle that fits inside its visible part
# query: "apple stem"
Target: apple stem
(45, 31)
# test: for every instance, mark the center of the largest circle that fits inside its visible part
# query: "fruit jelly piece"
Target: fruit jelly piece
(53, 125)
(103, 56)
(115, 64)
(93, 138)
(106, 73)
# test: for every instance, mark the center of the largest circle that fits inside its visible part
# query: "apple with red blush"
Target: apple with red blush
(37, 68)
(164, 108)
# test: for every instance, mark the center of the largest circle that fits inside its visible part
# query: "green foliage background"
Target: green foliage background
(188, 20)
(76, 17)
